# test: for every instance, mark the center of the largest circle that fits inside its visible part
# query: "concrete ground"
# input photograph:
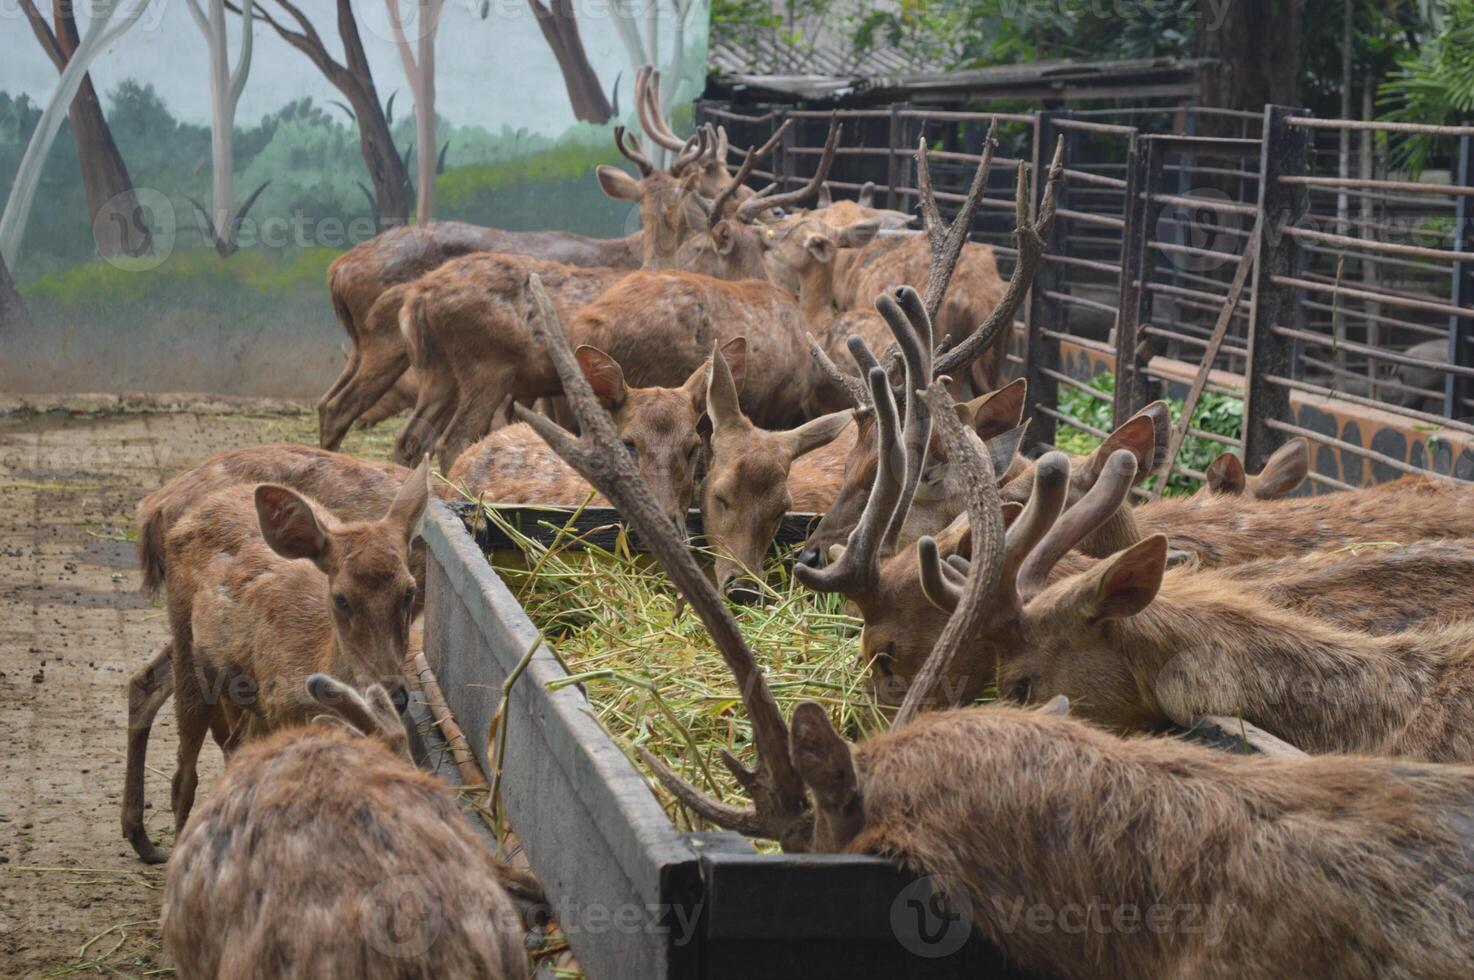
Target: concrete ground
(73, 625)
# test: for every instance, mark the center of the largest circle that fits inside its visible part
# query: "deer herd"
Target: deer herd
(751, 358)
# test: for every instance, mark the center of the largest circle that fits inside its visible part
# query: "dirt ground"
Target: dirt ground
(74, 900)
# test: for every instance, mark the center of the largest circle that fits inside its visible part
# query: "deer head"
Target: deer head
(745, 493)
(370, 591)
(801, 254)
(842, 212)
(732, 243)
(1283, 473)
(371, 714)
(712, 176)
(658, 426)
(664, 196)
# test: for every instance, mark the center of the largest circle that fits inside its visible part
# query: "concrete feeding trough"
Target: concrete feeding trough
(637, 898)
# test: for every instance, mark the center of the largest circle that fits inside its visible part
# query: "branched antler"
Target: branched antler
(911, 326)
(749, 209)
(947, 240)
(781, 810)
(632, 152)
(858, 391)
(723, 197)
(985, 517)
(1031, 238)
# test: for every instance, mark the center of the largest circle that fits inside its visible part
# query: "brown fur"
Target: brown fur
(1082, 855)
(321, 854)
(814, 479)
(250, 621)
(1139, 648)
(473, 347)
(359, 278)
(657, 425)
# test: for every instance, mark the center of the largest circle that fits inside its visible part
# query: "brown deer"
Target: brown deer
(250, 622)
(370, 280)
(324, 852)
(746, 491)
(1152, 822)
(658, 426)
(844, 212)
(353, 489)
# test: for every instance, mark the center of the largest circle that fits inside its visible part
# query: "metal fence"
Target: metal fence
(1241, 265)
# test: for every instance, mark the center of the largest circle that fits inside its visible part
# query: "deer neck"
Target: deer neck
(816, 297)
(1115, 533)
(1206, 646)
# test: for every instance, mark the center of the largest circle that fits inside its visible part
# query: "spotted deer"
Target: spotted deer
(324, 852)
(1229, 836)
(844, 212)
(249, 621)
(657, 426)
(747, 491)
(354, 490)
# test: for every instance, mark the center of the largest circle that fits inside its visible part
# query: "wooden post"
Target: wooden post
(1461, 328)
(1285, 153)
(895, 163)
(782, 159)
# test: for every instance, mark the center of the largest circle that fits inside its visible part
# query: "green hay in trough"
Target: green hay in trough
(651, 671)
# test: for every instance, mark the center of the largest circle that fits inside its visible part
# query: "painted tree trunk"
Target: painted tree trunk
(376, 144)
(559, 25)
(425, 124)
(101, 31)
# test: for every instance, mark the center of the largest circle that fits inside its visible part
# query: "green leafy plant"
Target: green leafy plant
(1433, 84)
(1215, 413)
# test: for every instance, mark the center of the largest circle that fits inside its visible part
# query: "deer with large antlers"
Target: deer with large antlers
(250, 622)
(657, 426)
(324, 852)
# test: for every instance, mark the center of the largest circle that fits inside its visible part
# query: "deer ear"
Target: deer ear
(1003, 448)
(1226, 475)
(721, 394)
(821, 247)
(604, 375)
(289, 525)
(867, 194)
(618, 184)
(1128, 581)
(858, 234)
(1011, 510)
(1161, 417)
(735, 351)
(1283, 472)
(816, 432)
(722, 237)
(408, 508)
(1138, 436)
(826, 197)
(998, 411)
(822, 758)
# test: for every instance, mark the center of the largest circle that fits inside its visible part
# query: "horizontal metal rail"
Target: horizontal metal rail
(1085, 217)
(1222, 207)
(1095, 127)
(1225, 349)
(1093, 345)
(1376, 353)
(1428, 418)
(1391, 248)
(1065, 379)
(1362, 451)
(1071, 421)
(1372, 125)
(1352, 311)
(1203, 253)
(1427, 306)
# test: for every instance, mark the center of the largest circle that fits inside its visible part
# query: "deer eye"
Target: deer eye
(409, 597)
(629, 446)
(885, 660)
(1019, 691)
(340, 603)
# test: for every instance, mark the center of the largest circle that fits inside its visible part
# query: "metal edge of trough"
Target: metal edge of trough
(774, 916)
(565, 784)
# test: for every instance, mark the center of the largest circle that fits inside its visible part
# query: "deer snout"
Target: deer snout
(741, 589)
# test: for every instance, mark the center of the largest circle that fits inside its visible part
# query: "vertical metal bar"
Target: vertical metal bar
(1129, 395)
(1285, 153)
(1461, 329)
(1149, 221)
(783, 160)
(1042, 353)
(894, 175)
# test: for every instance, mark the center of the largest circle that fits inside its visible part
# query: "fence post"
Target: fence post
(1285, 153)
(1461, 329)
(1130, 389)
(1041, 352)
(1151, 169)
(895, 174)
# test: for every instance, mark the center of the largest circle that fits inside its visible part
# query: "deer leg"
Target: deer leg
(436, 406)
(402, 395)
(194, 717)
(148, 689)
(349, 366)
(472, 421)
(378, 369)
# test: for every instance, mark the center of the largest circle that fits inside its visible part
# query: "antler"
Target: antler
(749, 209)
(858, 391)
(692, 150)
(857, 569)
(947, 240)
(941, 582)
(647, 105)
(1100, 502)
(1031, 237)
(753, 156)
(985, 516)
(911, 325)
(633, 152)
(780, 806)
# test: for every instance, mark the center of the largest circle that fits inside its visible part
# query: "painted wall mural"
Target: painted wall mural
(176, 175)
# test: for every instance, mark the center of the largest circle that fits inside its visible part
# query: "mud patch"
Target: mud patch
(57, 595)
